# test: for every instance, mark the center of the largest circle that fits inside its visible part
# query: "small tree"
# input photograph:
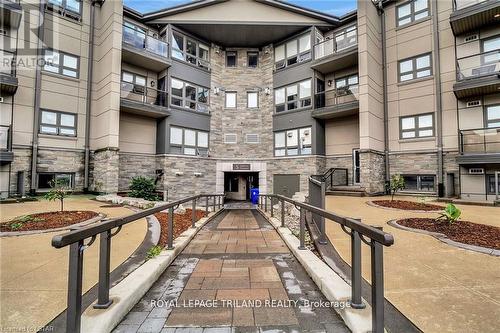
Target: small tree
(143, 187)
(451, 213)
(397, 183)
(59, 190)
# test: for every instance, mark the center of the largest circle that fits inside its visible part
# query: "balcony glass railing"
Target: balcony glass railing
(8, 64)
(140, 40)
(460, 4)
(480, 141)
(332, 46)
(336, 97)
(478, 65)
(144, 95)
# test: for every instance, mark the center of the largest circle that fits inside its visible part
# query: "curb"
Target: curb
(372, 204)
(333, 287)
(132, 288)
(44, 231)
(443, 238)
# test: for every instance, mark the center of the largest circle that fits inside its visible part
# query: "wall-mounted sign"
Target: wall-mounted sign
(241, 167)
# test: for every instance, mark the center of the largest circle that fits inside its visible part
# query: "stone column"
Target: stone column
(105, 170)
(372, 171)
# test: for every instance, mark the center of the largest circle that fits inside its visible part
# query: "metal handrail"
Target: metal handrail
(359, 232)
(331, 46)
(75, 240)
(481, 134)
(146, 42)
(466, 4)
(479, 68)
(145, 94)
(339, 96)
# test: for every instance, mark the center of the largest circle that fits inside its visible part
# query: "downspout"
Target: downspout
(384, 87)
(89, 96)
(439, 111)
(38, 85)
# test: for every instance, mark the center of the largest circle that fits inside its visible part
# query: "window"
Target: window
(493, 116)
(347, 84)
(252, 99)
(417, 126)
(252, 138)
(230, 138)
(252, 59)
(188, 141)
(293, 142)
(58, 123)
(190, 50)
(414, 68)
(421, 183)
(491, 184)
(490, 45)
(61, 63)
(189, 96)
(293, 97)
(231, 57)
(47, 179)
(68, 8)
(412, 11)
(294, 51)
(230, 99)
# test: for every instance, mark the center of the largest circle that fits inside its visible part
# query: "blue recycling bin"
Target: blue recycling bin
(254, 195)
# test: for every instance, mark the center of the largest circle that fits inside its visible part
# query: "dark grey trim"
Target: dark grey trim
(473, 17)
(479, 159)
(286, 147)
(387, 164)
(298, 100)
(252, 53)
(183, 145)
(229, 53)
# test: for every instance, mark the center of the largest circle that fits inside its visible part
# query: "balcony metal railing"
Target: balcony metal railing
(336, 96)
(143, 94)
(140, 40)
(5, 137)
(480, 141)
(331, 46)
(8, 63)
(460, 4)
(478, 65)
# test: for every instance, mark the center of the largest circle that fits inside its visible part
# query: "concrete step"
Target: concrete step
(346, 193)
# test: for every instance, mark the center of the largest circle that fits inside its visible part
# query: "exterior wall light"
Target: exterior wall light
(198, 174)
(179, 173)
(329, 83)
(216, 90)
(267, 91)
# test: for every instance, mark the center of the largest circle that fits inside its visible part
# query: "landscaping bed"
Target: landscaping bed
(182, 222)
(461, 231)
(407, 205)
(46, 221)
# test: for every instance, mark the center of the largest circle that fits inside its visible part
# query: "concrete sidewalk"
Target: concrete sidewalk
(236, 275)
(33, 274)
(441, 288)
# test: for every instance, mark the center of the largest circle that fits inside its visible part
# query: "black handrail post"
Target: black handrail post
(265, 203)
(272, 208)
(302, 235)
(170, 241)
(282, 213)
(103, 301)
(356, 301)
(206, 205)
(377, 277)
(218, 200)
(193, 216)
(214, 204)
(74, 310)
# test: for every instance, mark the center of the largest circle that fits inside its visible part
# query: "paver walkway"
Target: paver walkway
(236, 275)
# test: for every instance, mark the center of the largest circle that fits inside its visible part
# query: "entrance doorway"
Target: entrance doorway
(356, 177)
(237, 185)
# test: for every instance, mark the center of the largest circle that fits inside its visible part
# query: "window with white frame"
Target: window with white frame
(293, 51)
(230, 102)
(493, 116)
(412, 11)
(61, 63)
(188, 95)
(415, 68)
(190, 50)
(188, 141)
(293, 142)
(252, 99)
(418, 126)
(57, 123)
(295, 96)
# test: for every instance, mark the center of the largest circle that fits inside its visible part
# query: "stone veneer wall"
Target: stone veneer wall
(341, 162)
(303, 166)
(133, 165)
(104, 170)
(21, 162)
(372, 172)
(242, 120)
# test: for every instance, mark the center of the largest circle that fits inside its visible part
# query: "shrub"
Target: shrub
(16, 225)
(153, 252)
(143, 187)
(59, 191)
(450, 213)
(397, 183)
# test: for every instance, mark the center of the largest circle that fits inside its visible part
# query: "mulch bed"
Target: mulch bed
(460, 231)
(182, 222)
(45, 221)
(407, 205)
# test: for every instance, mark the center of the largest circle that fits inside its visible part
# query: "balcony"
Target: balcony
(144, 51)
(6, 154)
(478, 74)
(469, 15)
(481, 145)
(144, 101)
(8, 79)
(331, 55)
(11, 13)
(336, 103)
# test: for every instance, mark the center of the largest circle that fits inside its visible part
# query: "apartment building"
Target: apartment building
(224, 96)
